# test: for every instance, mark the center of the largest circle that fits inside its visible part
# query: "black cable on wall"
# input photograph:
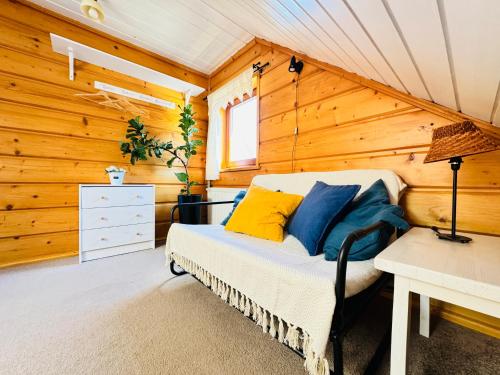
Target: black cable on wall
(295, 67)
(296, 130)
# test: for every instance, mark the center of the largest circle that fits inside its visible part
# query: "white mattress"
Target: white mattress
(360, 275)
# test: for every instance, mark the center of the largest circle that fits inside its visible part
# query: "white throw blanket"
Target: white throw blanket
(286, 291)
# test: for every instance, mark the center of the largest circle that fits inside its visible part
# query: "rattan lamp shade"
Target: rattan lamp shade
(451, 142)
(460, 139)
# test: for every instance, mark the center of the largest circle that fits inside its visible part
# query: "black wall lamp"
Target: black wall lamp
(295, 66)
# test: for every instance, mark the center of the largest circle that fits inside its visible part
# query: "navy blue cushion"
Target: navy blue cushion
(237, 200)
(319, 211)
(371, 206)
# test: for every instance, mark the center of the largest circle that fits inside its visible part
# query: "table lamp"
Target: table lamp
(453, 142)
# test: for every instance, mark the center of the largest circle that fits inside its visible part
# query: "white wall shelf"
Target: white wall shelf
(78, 51)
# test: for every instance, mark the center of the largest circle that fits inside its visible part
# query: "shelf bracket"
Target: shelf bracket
(71, 61)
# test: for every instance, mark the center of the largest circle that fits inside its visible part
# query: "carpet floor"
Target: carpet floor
(129, 315)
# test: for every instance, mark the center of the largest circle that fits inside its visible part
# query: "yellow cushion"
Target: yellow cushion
(263, 213)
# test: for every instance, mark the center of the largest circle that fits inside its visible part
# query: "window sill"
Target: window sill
(241, 168)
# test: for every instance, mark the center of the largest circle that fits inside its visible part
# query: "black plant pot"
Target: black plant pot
(189, 215)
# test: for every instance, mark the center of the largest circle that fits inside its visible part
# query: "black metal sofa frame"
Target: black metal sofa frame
(347, 310)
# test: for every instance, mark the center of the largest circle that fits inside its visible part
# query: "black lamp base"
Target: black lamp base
(450, 237)
(455, 166)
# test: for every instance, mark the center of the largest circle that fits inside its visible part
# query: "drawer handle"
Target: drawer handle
(138, 215)
(104, 198)
(104, 239)
(139, 234)
(139, 196)
(104, 218)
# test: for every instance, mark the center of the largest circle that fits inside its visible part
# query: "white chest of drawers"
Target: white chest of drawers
(116, 220)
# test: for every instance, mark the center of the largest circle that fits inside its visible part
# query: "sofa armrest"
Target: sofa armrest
(172, 210)
(342, 267)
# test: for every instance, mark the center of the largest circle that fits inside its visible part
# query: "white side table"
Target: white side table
(463, 274)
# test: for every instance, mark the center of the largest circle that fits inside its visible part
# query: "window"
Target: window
(241, 136)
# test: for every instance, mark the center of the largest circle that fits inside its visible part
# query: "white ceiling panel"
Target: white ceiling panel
(343, 16)
(475, 43)
(314, 29)
(441, 50)
(421, 26)
(330, 27)
(376, 20)
(166, 27)
(304, 38)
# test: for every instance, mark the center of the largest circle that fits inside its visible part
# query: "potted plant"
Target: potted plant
(115, 175)
(142, 145)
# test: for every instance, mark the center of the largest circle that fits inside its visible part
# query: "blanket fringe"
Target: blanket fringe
(281, 331)
(286, 333)
(264, 321)
(272, 327)
(292, 337)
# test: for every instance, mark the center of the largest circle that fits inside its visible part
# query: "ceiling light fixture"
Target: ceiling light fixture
(295, 66)
(92, 9)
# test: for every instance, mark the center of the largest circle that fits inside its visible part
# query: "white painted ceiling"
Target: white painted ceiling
(447, 51)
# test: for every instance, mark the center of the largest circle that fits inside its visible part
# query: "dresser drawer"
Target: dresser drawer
(92, 218)
(103, 196)
(92, 239)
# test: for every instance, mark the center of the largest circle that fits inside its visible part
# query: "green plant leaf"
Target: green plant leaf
(181, 176)
(170, 162)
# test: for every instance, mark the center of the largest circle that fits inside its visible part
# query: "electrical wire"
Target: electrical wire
(296, 130)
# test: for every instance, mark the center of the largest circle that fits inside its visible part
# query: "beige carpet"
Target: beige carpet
(128, 315)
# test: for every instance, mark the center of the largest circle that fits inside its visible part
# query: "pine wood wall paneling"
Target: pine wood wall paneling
(26, 249)
(48, 170)
(348, 122)
(30, 144)
(431, 206)
(51, 140)
(46, 95)
(48, 121)
(33, 195)
(44, 220)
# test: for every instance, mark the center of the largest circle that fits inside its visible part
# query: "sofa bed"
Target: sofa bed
(302, 301)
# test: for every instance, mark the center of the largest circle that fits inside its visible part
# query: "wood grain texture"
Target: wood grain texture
(26, 249)
(37, 195)
(31, 144)
(52, 140)
(42, 120)
(347, 122)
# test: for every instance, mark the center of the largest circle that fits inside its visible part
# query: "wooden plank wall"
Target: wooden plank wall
(51, 141)
(345, 124)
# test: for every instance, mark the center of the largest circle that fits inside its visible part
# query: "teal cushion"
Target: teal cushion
(237, 200)
(319, 211)
(371, 206)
